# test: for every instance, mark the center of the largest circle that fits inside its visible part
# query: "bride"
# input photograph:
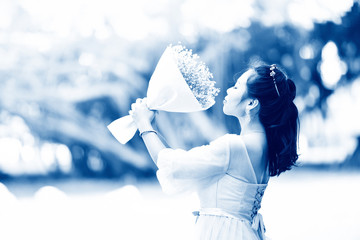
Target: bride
(231, 173)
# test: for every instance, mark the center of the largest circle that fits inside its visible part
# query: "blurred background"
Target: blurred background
(69, 68)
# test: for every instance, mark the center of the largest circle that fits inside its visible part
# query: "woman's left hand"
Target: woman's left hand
(141, 114)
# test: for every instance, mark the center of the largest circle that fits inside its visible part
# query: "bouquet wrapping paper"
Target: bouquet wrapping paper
(167, 91)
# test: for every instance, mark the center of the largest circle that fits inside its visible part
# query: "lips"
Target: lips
(225, 99)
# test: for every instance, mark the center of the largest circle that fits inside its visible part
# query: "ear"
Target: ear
(253, 103)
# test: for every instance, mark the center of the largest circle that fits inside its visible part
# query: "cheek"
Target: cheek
(240, 107)
(237, 99)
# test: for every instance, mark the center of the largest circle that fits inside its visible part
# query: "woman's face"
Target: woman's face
(234, 104)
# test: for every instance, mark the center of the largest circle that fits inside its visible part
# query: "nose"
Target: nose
(228, 90)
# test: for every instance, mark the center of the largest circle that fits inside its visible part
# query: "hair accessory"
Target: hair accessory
(272, 74)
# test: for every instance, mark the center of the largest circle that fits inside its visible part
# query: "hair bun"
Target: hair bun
(292, 89)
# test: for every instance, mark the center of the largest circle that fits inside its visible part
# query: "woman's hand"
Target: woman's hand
(141, 114)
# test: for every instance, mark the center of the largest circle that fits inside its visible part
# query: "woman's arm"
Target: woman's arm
(143, 116)
(152, 141)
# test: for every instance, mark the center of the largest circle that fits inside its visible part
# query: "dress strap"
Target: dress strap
(265, 171)
(249, 161)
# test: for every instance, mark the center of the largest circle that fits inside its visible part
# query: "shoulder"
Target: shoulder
(235, 141)
(251, 142)
(229, 141)
(251, 145)
(220, 142)
(254, 142)
(236, 146)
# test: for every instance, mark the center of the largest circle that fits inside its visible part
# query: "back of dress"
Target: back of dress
(229, 204)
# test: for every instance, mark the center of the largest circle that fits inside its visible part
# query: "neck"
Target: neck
(248, 126)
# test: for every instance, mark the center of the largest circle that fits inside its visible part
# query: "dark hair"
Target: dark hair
(278, 115)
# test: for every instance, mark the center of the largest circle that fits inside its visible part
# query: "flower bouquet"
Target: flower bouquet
(180, 83)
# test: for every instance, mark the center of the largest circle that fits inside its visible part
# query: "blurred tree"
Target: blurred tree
(67, 89)
(347, 38)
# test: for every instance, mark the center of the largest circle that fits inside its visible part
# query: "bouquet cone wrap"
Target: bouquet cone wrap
(167, 91)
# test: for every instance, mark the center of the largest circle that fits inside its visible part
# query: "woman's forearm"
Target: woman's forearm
(153, 144)
(152, 141)
(142, 117)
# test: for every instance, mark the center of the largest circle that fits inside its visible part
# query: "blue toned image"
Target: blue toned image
(179, 119)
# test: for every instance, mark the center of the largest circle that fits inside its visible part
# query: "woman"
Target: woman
(231, 173)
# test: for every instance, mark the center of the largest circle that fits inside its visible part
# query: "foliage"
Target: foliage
(67, 92)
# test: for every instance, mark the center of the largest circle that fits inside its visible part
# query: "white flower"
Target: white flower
(196, 75)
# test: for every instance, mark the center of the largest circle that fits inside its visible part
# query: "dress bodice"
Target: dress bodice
(234, 196)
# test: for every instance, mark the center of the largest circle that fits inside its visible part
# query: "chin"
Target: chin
(226, 111)
(230, 111)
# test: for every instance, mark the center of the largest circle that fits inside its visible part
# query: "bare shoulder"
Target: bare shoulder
(254, 142)
(246, 147)
(256, 148)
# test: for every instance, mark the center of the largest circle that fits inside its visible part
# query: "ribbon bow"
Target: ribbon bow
(258, 225)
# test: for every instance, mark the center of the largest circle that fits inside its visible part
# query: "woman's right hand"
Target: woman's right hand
(141, 114)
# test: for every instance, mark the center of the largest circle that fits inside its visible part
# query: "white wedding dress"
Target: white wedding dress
(229, 204)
